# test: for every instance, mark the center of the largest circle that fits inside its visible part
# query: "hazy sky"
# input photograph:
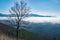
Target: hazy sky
(5, 5)
(46, 5)
(41, 7)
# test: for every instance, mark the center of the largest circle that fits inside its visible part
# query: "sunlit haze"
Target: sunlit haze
(40, 7)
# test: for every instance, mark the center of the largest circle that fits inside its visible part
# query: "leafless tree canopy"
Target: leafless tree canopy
(20, 11)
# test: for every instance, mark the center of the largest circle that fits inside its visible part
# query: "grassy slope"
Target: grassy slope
(23, 33)
(30, 36)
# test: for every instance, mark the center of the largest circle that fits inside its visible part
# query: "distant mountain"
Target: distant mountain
(3, 15)
(46, 29)
(29, 15)
(36, 15)
(6, 15)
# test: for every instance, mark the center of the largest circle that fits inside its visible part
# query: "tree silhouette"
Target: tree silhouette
(18, 11)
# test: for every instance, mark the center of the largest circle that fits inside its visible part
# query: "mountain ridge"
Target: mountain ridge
(29, 15)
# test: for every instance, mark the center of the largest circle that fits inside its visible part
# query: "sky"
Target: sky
(46, 5)
(41, 7)
(5, 5)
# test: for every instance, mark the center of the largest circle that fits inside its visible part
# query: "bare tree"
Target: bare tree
(20, 11)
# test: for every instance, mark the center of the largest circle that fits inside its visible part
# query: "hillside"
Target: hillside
(11, 33)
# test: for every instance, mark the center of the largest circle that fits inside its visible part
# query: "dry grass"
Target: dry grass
(6, 37)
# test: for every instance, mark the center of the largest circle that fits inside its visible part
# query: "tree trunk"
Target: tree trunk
(17, 32)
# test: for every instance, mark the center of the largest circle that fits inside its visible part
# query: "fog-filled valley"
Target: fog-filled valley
(47, 29)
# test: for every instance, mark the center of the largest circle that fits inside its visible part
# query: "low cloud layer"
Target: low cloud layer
(43, 19)
(36, 17)
(54, 19)
(55, 14)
